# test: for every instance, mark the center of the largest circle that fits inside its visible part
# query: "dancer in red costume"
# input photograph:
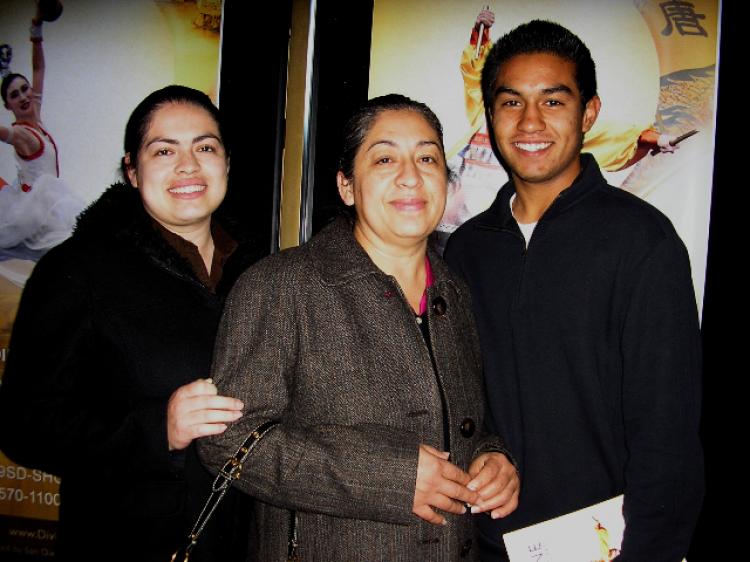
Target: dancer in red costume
(38, 209)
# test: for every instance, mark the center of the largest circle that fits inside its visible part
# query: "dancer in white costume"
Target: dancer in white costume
(38, 209)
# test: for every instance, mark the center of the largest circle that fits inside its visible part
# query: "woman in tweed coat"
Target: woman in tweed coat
(362, 344)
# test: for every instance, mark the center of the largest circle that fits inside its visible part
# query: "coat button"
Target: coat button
(467, 427)
(433, 540)
(439, 305)
(465, 548)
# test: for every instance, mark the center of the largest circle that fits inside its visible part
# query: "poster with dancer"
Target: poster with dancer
(76, 69)
(656, 69)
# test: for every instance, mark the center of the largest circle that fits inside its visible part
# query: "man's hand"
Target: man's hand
(666, 143)
(496, 481)
(486, 17)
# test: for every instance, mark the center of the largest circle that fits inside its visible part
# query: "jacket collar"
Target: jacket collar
(118, 208)
(500, 216)
(339, 259)
(118, 218)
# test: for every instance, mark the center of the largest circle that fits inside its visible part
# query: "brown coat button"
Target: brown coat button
(439, 305)
(468, 427)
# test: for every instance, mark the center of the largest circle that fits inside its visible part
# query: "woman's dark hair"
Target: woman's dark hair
(361, 121)
(539, 36)
(140, 119)
(6, 84)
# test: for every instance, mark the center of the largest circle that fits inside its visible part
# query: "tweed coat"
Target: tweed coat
(321, 339)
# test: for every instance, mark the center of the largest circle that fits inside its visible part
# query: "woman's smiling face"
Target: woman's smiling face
(19, 100)
(399, 183)
(181, 169)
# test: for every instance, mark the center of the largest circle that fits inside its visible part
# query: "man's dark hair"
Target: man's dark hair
(539, 36)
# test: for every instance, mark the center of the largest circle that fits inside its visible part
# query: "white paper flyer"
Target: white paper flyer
(591, 534)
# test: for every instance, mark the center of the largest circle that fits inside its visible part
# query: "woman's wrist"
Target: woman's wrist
(35, 31)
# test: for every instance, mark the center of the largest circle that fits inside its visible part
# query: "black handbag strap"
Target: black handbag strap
(230, 472)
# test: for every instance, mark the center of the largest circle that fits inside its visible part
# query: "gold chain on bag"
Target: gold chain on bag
(224, 479)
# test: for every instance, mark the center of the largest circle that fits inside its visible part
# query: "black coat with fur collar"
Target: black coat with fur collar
(111, 322)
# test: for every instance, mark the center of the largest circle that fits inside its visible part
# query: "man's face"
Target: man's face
(538, 119)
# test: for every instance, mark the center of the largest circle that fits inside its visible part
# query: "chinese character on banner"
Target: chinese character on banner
(682, 16)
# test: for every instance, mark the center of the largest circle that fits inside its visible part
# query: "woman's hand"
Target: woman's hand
(441, 485)
(196, 410)
(496, 481)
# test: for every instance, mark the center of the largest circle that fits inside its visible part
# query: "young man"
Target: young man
(586, 313)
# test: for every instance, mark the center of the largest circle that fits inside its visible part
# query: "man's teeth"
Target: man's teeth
(532, 146)
(187, 189)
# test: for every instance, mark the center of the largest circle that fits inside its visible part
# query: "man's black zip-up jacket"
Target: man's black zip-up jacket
(591, 351)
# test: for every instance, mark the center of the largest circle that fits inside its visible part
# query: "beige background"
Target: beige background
(417, 46)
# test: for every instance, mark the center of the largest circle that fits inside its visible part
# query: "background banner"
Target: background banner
(656, 71)
(102, 57)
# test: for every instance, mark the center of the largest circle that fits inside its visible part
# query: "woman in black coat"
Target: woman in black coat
(105, 382)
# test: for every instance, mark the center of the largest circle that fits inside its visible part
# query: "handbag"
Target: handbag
(224, 479)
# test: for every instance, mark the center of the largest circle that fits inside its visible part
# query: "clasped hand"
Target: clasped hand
(491, 485)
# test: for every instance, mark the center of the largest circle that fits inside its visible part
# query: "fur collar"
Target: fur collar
(118, 208)
(118, 218)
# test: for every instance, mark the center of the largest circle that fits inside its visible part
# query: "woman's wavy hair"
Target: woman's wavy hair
(361, 121)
